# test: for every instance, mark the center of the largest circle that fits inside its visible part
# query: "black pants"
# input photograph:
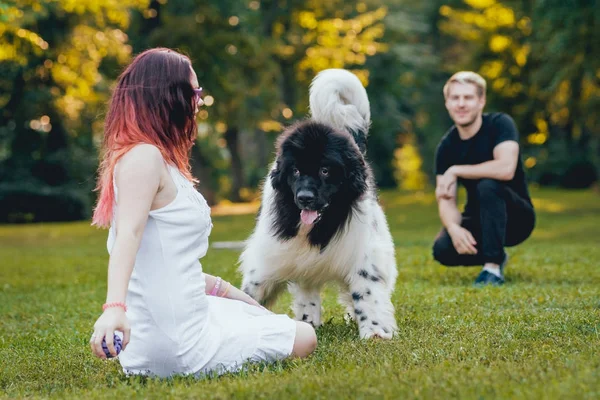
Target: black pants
(497, 217)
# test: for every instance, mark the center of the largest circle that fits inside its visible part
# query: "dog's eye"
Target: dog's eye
(296, 171)
(324, 171)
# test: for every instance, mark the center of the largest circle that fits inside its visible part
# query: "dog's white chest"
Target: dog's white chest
(305, 262)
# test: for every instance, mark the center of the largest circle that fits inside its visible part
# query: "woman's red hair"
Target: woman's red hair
(153, 103)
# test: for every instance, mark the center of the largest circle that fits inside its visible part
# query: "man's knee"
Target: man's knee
(443, 252)
(487, 188)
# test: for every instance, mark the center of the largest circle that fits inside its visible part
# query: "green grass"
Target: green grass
(536, 337)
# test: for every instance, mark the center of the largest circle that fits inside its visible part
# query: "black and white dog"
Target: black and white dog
(320, 220)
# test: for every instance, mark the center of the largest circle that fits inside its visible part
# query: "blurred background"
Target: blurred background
(255, 60)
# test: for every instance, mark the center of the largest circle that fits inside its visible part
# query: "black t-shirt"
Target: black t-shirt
(495, 129)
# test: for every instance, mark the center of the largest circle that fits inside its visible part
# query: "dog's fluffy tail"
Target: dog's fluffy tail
(337, 98)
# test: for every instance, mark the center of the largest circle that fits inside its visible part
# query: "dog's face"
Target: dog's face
(318, 167)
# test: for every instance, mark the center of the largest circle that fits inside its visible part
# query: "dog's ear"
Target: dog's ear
(356, 172)
(277, 175)
(358, 183)
(360, 137)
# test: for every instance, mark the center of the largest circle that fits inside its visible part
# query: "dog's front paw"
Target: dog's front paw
(377, 332)
(311, 320)
(308, 313)
(306, 304)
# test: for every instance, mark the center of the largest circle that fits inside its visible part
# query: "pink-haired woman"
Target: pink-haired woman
(175, 319)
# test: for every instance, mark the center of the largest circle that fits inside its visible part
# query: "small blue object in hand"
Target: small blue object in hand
(118, 343)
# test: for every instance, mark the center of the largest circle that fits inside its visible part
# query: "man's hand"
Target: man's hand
(446, 185)
(462, 239)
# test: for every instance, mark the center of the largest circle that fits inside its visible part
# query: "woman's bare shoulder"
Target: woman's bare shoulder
(141, 161)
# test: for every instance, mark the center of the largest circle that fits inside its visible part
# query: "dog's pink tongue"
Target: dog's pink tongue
(308, 216)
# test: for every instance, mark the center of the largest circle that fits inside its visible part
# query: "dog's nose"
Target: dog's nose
(305, 197)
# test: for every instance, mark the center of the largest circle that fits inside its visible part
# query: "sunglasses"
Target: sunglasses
(198, 94)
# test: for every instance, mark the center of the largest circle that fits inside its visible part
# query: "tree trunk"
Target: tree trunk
(237, 174)
(261, 148)
(147, 26)
(200, 171)
(53, 167)
(288, 83)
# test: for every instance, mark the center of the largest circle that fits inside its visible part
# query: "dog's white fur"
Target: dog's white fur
(338, 99)
(360, 258)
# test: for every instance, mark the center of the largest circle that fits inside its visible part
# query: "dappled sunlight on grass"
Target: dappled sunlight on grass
(228, 208)
(540, 233)
(389, 198)
(548, 205)
(398, 198)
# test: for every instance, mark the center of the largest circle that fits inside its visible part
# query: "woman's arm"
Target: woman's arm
(210, 283)
(137, 180)
(228, 291)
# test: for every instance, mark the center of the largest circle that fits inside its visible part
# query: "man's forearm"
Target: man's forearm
(494, 169)
(449, 214)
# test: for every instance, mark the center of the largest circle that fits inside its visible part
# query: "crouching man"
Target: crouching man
(481, 152)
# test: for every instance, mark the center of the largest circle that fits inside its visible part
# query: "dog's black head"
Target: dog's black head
(319, 175)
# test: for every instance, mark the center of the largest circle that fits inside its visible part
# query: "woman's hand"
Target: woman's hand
(113, 319)
(236, 294)
(228, 291)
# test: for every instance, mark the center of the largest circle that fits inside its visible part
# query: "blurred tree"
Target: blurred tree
(538, 58)
(565, 44)
(309, 36)
(54, 59)
(232, 66)
(256, 60)
(405, 96)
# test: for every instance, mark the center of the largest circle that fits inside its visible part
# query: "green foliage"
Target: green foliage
(54, 58)
(255, 60)
(41, 203)
(404, 91)
(538, 60)
(536, 337)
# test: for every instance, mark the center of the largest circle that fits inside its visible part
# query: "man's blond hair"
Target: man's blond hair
(466, 77)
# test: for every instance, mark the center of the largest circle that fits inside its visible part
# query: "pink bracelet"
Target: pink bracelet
(226, 290)
(217, 286)
(115, 304)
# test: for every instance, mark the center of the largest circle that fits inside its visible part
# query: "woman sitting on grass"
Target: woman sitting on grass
(175, 319)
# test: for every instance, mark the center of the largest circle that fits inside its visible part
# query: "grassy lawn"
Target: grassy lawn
(536, 337)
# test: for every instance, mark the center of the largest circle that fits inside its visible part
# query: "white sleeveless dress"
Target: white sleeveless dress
(176, 328)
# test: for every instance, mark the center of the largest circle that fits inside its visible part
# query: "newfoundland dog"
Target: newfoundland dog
(320, 220)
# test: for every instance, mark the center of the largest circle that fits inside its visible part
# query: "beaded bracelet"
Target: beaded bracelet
(226, 290)
(114, 304)
(217, 286)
